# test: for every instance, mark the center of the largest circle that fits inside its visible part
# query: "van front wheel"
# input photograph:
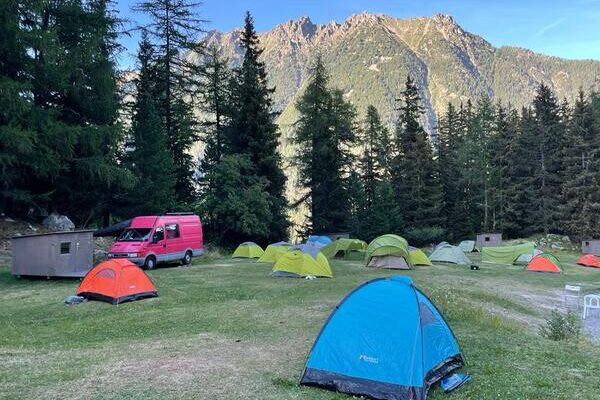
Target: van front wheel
(150, 263)
(187, 259)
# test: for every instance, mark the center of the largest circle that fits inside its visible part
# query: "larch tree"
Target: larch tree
(174, 30)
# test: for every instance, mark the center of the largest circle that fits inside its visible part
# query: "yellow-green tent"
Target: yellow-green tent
(248, 250)
(343, 248)
(273, 251)
(418, 257)
(506, 254)
(388, 251)
(296, 264)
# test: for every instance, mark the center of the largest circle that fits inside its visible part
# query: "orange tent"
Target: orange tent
(116, 281)
(589, 260)
(540, 263)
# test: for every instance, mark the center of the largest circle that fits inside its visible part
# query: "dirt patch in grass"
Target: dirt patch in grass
(211, 366)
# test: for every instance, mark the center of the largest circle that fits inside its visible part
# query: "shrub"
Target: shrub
(561, 326)
(424, 236)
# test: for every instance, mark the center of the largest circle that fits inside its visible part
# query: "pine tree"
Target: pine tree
(373, 162)
(214, 75)
(520, 192)
(239, 203)
(475, 159)
(414, 173)
(16, 135)
(548, 132)
(149, 158)
(579, 179)
(183, 136)
(449, 140)
(340, 159)
(357, 209)
(174, 30)
(503, 161)
(385, 215)
(74, 100)
(323, 133)
(252, 131)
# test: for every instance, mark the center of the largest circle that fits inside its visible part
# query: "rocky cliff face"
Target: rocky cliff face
(369, 55)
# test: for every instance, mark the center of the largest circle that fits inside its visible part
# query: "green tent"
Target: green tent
(446, 253)
(273, 251)
(297, 264)
(248, 250)
(467, 246)
(388, 251)
(418, 257)
(344, 248)
(506, 254)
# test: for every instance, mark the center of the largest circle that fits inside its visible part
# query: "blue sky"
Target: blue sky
(569, 29)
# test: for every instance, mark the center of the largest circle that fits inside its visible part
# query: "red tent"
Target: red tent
(589, 260)
(540, 263)
(116, 281)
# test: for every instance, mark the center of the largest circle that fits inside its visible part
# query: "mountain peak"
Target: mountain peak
(363, 17)
(301, 27)
(444, 18)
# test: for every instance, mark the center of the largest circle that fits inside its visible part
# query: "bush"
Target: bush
(561, 326)
(424, 236)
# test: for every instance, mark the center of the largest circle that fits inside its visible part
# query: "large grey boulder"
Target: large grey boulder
(57, 222)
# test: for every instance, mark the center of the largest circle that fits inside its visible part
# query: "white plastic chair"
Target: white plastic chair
(590, 301)
(572, 294)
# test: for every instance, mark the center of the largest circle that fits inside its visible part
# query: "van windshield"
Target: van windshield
(134, 235)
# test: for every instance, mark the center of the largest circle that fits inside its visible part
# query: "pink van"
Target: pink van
(160, 239)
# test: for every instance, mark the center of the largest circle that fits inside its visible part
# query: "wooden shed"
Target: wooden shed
(591, 246)
(488, 240)
(56, 254)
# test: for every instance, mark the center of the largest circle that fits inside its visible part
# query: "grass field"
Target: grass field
(224, 329)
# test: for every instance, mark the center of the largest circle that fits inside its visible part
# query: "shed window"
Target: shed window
(65, 248)
(172, 231)
(587, 243)
(487, 238)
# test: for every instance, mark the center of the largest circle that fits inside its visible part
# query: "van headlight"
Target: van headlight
(132, 254)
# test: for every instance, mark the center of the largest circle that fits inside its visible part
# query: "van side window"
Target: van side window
(159, 234)
(172, 231)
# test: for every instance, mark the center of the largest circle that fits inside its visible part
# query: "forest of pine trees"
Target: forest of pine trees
(76, 139)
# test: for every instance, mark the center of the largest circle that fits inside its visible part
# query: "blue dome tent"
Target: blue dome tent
(385, 340)
(322, 240)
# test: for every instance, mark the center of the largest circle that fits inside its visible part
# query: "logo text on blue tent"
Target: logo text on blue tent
(372, 360)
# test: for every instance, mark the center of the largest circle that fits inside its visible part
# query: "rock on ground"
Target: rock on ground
(57, 222)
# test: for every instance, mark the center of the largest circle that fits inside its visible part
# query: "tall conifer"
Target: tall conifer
(251, 129)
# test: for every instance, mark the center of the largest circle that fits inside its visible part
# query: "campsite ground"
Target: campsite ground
(224, 329)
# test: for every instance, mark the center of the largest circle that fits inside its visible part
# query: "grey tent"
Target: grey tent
(446, 253)
(524, 258)
(467, 246)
